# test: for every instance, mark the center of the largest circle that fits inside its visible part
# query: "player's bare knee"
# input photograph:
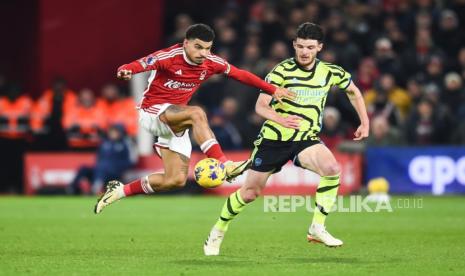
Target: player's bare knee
(198, 115)
(331, 169)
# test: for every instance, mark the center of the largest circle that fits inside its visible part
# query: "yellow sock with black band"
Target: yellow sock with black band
(325, 198)
(231, 208)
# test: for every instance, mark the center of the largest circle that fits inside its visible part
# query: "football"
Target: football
(209, 173)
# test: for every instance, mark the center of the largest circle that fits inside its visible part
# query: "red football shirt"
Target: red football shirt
(174, 78)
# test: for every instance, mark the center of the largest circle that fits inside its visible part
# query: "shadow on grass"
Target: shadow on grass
(233, 261)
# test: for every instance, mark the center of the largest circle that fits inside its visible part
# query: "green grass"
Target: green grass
(164, 235)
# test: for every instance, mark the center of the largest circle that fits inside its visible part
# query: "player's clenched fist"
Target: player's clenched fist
(362, 132)
(282, 93)
(124, 74)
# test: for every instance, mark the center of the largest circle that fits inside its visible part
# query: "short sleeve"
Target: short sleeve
(341, 78)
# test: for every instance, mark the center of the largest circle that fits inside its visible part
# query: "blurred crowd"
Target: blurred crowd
(407, 57)
(61, 119)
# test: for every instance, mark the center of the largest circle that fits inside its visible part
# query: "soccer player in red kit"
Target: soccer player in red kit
(176, 73)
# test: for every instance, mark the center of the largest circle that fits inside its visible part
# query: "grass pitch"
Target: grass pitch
(164, 235)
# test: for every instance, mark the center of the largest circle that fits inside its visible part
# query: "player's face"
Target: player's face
(306, 50)
(197, 50)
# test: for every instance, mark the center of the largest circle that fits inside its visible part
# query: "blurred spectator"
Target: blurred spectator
(415, 58)
(115, 155)
(182, 22)
(221, 123)
(252, 59)
(453, 95)
(347, 53)
(414, 90)
(424, 20)
(449, 36)
(367, 74)
(272, 28)
(312, 11)
(84, 122)
(334, 22)
(228, 40)
(434, 73)
(118, 109)
(15, 110)
(395, 95)
(47, 115)
(386, 59)
(279, 51)
(424, 126)
(394, 34)
(333, 131)
(296, 17)
(442, 114)
(382, 134)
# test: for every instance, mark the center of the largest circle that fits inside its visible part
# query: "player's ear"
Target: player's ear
(319, 47)
(185, 42)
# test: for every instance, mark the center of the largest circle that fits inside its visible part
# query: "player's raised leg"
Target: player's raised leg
(236, 202)
(180, 118)
(318, 158)
(176, 169)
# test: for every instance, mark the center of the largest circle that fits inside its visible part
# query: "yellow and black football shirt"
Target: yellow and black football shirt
(312, 87)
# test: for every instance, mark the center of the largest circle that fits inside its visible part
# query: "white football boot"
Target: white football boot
(213, 243)
(317, 233)
(234, 169)
(113, 192)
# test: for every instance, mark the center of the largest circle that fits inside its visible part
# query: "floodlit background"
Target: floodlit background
(59, 101)
(408, 58)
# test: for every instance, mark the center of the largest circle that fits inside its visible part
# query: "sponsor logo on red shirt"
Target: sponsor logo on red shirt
(172, 84)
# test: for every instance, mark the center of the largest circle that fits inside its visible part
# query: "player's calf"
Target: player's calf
(174, 181)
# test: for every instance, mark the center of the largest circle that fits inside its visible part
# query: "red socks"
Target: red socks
(138, 186)
(212, 149)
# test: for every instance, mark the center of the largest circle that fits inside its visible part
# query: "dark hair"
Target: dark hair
(309, 30)
(200, 31)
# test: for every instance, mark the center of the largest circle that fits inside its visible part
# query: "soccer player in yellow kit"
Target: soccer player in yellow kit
(291, 133)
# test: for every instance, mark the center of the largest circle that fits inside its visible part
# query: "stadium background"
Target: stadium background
(408, 57)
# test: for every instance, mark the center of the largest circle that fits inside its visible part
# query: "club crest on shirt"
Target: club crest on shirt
(203, 74)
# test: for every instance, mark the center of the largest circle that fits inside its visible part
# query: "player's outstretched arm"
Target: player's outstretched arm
(262, 107)
(356, 99)
(147, 63)
(248, 78)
